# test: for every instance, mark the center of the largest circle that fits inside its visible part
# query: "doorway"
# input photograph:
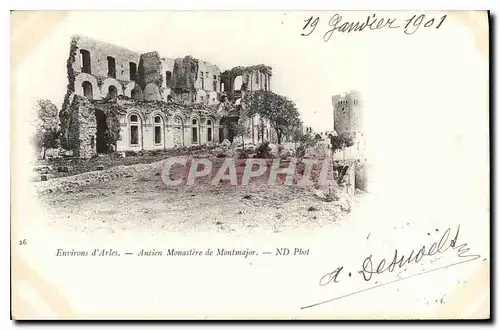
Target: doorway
(102, 128)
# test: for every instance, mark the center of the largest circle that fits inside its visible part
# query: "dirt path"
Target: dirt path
(143, 203)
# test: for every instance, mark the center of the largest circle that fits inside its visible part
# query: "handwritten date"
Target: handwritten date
(337, 24)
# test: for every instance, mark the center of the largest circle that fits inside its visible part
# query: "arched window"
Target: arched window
(112, 92)
(177, 121)
(194, 131)
(157, 130)
(238, 82)
(134, 130)
(87, 90)
(209, 130)
(85, 56)
(111, 67)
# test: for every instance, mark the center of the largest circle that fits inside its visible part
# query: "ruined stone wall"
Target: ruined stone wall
(188, 87)
(258, 80)
(184, 79)
(167, 69)
(208, 83)
(255, 77)
(99, 51)
(150, 76)
(185, 74)
(207, 71)
(81, 133)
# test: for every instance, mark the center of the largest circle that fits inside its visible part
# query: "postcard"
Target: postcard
(288, 165)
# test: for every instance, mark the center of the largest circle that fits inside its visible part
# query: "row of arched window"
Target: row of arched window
(158, 125)
(88, 92)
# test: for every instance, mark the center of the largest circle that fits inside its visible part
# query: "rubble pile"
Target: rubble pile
(71, 183)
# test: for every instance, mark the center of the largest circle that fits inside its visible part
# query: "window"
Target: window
(134, 130)
(85, 56)
(215, 83)
(134, 135)
(194, 131)
(112, 92)
(157, 135)
(202, 98)
(257, 77)
(157, 130)
(111, 67)
(202, 82)
(209, 130)
(238, 81)
(87, 90)
(168, 76)
(133, 71)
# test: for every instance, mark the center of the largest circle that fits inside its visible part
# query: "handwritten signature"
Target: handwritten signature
(372, 22)
(397, 261)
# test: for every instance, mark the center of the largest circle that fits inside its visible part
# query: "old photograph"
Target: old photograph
(250, 165)
(194, 138)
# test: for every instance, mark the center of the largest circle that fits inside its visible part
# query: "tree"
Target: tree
(342, 141)
(304, 140)
(242, 129)
(281, 112)
(46, 126)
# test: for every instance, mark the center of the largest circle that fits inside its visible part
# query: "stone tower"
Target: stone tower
(348, 113)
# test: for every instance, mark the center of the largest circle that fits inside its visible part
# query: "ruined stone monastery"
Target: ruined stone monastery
(121, 100)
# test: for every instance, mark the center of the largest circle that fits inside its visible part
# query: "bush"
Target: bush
(130, 153)
(263, 150)
(154, 152)
(243, 154)
(303, 142)
(342, 141)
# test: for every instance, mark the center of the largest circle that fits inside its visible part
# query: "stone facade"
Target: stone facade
(121, 100)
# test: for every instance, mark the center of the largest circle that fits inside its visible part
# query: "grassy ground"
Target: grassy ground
(143, 202)
(134, 197)
(110, 160)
